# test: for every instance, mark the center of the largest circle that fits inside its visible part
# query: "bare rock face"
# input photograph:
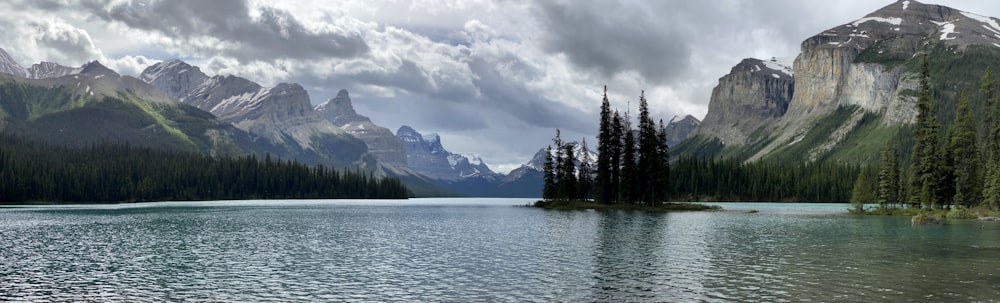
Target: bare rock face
(755, 93)
(382, 143)
(45, 70)
(174, 77)
(679, 130)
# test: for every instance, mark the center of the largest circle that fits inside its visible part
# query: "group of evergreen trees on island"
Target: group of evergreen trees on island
(633, 166)
(111, 173)
(961, 168)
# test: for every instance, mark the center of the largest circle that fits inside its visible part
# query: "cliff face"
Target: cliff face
(754, 94)
(382, 143)
(867, 64)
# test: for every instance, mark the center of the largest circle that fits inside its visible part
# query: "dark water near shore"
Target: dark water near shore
(469, 250)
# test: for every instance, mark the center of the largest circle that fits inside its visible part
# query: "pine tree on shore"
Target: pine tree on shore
(604, 151)
(549, 177)
(889, 183)
(629, 178)
(648, 159)
(965, 156)
(926, 178)
(617, 137)
(585, 174)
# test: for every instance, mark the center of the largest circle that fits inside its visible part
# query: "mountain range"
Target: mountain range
(174, 105)
(849, 92)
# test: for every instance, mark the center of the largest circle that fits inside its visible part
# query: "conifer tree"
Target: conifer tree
(567, 173)
(861, 193)
(549, 176)
(617, 137)
(604, 151)
(991, 184)
(663, 170)
(585, 174)
(965, 156)
(628, 189)
(926, 178)
(648, 159)
(888, 183)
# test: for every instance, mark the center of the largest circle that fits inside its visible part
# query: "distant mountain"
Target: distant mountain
(44, 70)
(851, 90)
(679, 130)
(9, 66)
(282, 114)
(427, 156)
(388, 149)
(98, 105)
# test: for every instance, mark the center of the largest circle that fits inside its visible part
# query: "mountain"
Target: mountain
(679, 130)
(851, 90)
(282, 115)
(388, 149)
(45, 69)
(9, 66)
(98, 105)
(426, 155)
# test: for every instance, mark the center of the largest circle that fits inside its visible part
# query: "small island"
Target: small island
(633, 168)
(585, 205)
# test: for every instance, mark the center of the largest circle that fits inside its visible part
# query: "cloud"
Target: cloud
(233, 28)
(613, 38)
(129, 65)
(48, 39)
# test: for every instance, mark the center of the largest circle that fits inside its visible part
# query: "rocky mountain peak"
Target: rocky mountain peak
(901, 18)
(340, 111)
(97, 70)
(45, 69)
(426, 155)
(175, 77)
(679, 130)
(9, 66)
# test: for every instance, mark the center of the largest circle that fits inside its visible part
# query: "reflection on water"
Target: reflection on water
(485, 250)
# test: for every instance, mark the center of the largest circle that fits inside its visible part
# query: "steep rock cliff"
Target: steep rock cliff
(387, 148)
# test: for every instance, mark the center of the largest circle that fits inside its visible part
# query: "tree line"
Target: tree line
(112, 172)
(954, 169)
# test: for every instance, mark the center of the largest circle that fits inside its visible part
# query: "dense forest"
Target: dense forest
(112, 173)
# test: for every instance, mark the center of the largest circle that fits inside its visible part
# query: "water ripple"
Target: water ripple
(473, 253)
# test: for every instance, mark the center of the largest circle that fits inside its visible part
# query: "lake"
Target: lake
(485, 250)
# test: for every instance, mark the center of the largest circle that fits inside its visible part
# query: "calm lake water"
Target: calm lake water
(485, 250)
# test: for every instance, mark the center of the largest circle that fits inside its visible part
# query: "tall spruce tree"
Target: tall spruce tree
(629, 188)
(965, 159)
(991, 184)
(617, 136)
(661, 188)
(549, 176)
(648, 159)
(585, 174)
(604, 151)
(558, 166)
(926, 178)
(567, 173)
(888, 180)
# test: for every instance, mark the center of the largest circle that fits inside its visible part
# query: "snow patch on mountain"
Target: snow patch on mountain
(890, 20)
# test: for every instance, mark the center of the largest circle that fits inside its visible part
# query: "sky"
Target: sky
(492, 78)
